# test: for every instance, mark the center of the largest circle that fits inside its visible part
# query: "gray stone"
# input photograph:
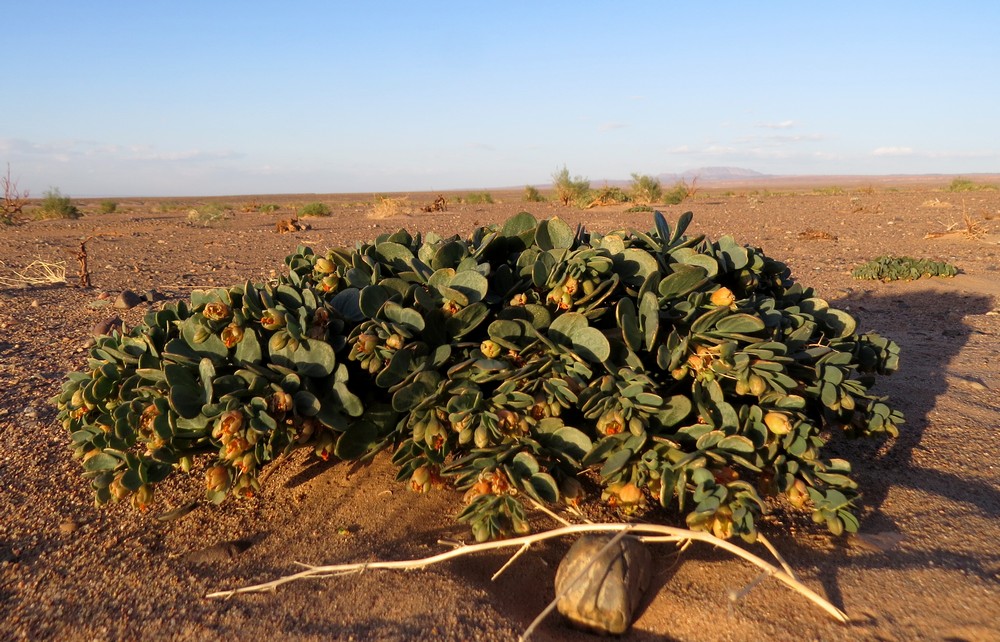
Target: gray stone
(127, 300)
(602, 590)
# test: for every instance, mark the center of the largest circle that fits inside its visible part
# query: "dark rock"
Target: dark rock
(107, 326)
(602, 590)
(152, 296)
(127, 300)
(221, 552)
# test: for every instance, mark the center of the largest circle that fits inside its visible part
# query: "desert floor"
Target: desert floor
(927, 566)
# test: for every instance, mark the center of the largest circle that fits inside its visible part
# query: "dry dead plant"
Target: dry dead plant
(287, 225)
(439, 205)
(14, 200)
(36, 273)
(817, 235)
(936, 203)
(973, 229)
(650, 533)
(387, 206)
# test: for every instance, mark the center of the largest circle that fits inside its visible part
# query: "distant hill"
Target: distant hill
(700, 174)
(711, 174)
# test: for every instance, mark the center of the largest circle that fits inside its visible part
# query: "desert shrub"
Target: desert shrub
(206, 214)
(607, 195)
(528, 360)
(315, 209)
(646, 189)
(639, 208)
(677, 194)
(965, 185)
(387, 206)
(569, 190)
(532, 195)
(479, 198)
(109, 207)
(55, 205)
(268, 208)
(895, 268)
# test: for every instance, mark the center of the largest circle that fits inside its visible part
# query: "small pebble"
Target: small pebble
(69, 526)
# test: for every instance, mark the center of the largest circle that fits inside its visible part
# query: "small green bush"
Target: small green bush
(479, 198)
(315, 209)
(677, 194)
(569, 190)
(109, 207)
(532, 195)
(55, 205)
(639, 208)
(646, 189)
(965, 185)
(269, 208)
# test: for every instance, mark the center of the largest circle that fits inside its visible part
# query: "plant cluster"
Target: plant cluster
(315, 209)
(532, 195)
(526, 360)
(679, 193)
(478, 198)
(607, 195)
(646, 189)
(109, 206)
(55, 205)
(965, 185)
(569, 190)
(206, 214)
(896, 268)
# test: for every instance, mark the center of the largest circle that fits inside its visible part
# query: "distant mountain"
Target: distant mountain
(702, 175)
(712, 174)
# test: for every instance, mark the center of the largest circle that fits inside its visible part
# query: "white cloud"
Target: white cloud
(607, 127)
(784, 124)
(893, 151)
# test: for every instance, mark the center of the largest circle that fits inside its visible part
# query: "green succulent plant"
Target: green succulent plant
(530, 359)
(896, 268)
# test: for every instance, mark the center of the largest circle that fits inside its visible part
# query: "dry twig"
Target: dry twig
(656, 532)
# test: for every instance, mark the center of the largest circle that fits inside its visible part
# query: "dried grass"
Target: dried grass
(34, 274)
(936, 203)
(387, 207)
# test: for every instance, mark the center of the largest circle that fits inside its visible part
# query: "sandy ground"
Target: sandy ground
(927, 567)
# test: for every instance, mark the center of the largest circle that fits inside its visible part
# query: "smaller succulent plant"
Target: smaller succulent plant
(895, 268)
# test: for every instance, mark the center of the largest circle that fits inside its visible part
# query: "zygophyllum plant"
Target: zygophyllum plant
(529, 359)
(895, 268)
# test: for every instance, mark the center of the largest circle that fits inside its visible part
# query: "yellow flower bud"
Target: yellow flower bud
(723, 297)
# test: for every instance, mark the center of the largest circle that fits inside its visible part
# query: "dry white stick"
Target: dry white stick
(654, 529)
(541, 507)
(521, 551)
(781, 560)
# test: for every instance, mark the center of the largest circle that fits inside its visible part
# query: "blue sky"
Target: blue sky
(200, 98)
